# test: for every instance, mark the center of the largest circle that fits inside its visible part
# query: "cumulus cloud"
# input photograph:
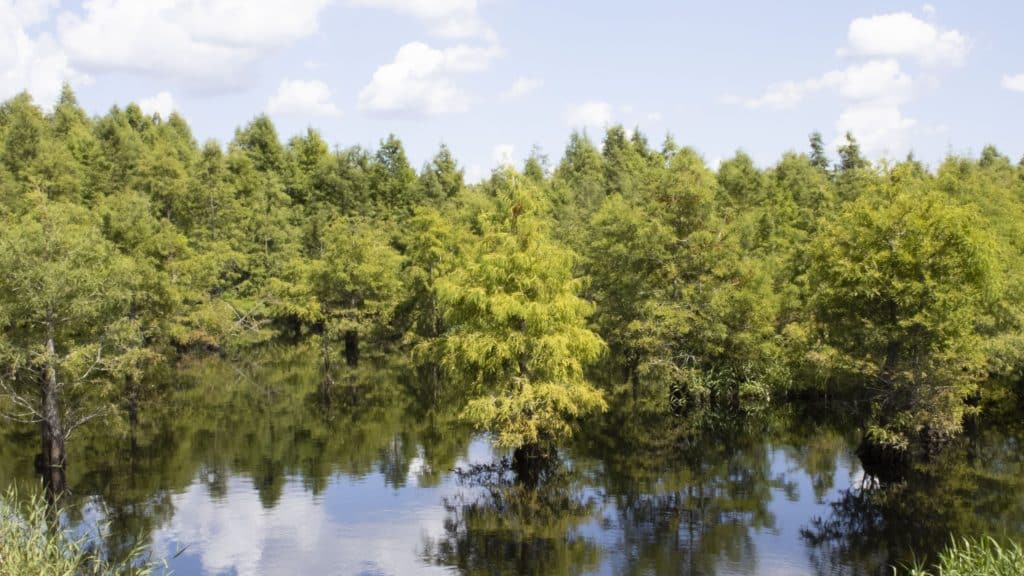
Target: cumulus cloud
(874, 91)
(302, 98)
(881, 128)
(421, 80)
(589, 114)
(206, 43)
(162, 104)
(903, 35)
(29, 61)
(1014, 82)
(523, 86)
(873, 80)
(504, 155)
(447, 18)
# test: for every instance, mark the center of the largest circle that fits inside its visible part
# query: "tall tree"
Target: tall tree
(517, 336)
(61, 292)
(392, 179)
(901, 279)
(441, 179)
(819, 158)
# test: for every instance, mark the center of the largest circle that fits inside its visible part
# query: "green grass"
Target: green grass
(30, 546)
(980, 557)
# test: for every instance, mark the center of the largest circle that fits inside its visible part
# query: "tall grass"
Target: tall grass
(30, 545)
(976, 557)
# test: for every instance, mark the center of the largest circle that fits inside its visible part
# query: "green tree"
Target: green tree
(354, 286)
(900, 282)
(62, 294)
(441, 179)
(517, 337)
(392, 179)
(819, 158)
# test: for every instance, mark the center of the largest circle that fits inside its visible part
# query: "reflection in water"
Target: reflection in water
(496, 525)
(246, 469)
(974, 487)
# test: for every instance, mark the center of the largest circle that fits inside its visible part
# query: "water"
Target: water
(241, 469)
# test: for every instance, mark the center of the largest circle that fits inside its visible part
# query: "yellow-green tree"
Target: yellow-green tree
(517, 335)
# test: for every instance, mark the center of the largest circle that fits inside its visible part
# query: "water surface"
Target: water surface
(242, 469)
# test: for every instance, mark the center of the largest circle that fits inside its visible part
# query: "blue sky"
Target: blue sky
(493, 78)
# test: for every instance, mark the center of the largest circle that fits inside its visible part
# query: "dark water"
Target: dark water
(243, 470)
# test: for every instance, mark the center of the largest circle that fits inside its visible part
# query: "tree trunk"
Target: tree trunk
(528, 462)
(328, 380)
(352, 347)
(52, 461)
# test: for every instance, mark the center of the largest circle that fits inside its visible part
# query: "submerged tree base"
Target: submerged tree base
(883, 462)
(530, 462)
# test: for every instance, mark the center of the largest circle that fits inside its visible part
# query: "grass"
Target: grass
(30, 545)
(976, 557)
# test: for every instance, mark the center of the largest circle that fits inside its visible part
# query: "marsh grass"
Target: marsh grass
(33, 544)
(975, 557)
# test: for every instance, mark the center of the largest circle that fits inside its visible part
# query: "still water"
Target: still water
(242, 469)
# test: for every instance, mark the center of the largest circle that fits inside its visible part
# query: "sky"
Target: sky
(493, 79)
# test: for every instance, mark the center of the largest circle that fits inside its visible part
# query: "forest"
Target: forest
(527, 302)
(625, 278)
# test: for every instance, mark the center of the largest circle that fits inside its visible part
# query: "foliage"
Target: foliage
(900, 282)
(975, 557)
(30, 545)
(517, 334)
(728, 287)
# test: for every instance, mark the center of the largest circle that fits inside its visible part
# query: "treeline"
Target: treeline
(124, 243)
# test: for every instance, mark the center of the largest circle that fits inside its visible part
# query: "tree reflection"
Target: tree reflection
(972, 487)
(260, 417)
(497, 525)
(687, 493)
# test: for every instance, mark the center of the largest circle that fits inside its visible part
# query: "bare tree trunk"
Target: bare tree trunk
(52, 426)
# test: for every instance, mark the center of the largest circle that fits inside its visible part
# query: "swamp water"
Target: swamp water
(242, 469)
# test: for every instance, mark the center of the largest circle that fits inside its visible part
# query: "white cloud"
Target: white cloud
(162, 104)
(421, 80)
(228, 534)
(873, 80)
(928, 10)
(448, 18)
(206, 43)
(302, 98)
(1014, 82)
(654, 117)
(503, 155)
(32, 62)
(880, 128)
(31, 12)
(903, 35)
(474, 174)
(590, 114)
(523, 86)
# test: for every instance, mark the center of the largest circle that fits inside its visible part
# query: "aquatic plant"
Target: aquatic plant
(975, 557)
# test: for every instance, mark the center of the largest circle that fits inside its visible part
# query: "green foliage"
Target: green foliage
(356, 280)
(901, 280)
(517, 338)
(64, 295)
(974, 557)
(740, 286)
(30, 544)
